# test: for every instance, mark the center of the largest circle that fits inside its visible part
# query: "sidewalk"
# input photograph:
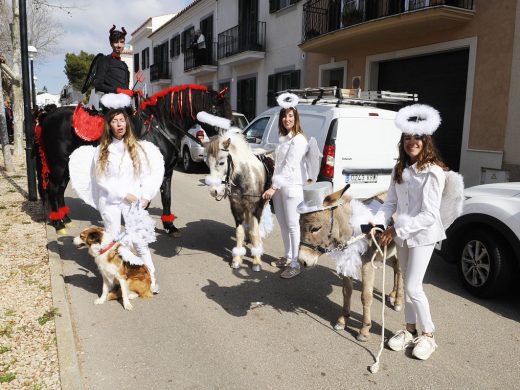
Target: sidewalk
(28, 352)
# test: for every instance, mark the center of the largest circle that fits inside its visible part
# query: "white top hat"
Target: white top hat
(313, 196)
(419, 119)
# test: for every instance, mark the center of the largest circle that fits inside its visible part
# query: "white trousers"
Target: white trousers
(111, 215)
(414, 262)
(285, 201)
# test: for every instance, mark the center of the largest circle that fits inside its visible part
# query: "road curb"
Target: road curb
(70, 374)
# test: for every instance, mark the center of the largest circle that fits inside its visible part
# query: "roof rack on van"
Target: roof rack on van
(337, 96)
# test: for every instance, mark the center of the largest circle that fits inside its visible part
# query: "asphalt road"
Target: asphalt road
(215, 328)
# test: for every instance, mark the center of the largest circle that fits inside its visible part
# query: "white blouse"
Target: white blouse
(118, 180)
(417, 203)
(289, 168)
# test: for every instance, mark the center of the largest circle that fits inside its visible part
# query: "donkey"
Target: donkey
(324, 231)
(236, 173)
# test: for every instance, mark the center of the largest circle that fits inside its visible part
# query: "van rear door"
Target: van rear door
(366, 152)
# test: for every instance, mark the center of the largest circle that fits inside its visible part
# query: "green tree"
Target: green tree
(76, 68)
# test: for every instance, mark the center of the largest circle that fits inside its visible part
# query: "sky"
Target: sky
(86, 28)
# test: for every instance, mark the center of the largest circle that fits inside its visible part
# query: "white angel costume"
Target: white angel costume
(288, 179)
(107, 191)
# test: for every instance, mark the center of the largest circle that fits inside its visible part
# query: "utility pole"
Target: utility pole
(28, 123)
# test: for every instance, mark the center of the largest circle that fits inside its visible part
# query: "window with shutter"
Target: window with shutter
(280, 82)
(276, 5)
(136, 62)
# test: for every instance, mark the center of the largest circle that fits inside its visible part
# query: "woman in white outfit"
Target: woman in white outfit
(128, 173)
(289, 176)
(415, 194)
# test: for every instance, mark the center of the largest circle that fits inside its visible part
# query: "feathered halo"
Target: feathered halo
(419, 119)
(287, 100)
(213, 120)
(116, 100)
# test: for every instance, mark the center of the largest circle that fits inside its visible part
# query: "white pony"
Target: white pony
(238, 174)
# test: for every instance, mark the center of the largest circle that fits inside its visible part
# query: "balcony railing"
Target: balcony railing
(160, 71)
(193, 58)
(241, 38)
(323, 16)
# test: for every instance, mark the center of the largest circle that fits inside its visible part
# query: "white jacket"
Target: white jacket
(289, 168)
(417, 202)
(118, 180)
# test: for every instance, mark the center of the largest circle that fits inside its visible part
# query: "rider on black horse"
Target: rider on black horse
(108, 73)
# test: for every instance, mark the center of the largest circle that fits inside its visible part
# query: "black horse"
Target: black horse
(162, 119)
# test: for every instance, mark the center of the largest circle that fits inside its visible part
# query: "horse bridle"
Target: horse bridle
(228, 184)
(319, 248)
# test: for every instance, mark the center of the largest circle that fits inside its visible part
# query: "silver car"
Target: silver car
(193, 153)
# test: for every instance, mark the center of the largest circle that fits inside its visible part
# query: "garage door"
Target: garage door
(440, 81)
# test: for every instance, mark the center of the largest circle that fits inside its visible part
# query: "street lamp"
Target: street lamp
(31, 50)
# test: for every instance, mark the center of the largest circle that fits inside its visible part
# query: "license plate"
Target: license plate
(361, 178)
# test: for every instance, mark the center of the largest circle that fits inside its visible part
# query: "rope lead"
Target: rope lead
(374, 368)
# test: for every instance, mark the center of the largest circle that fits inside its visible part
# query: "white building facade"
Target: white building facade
(251, 47)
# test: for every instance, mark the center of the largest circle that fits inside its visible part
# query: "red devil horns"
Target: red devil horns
(113, 28)
(123, 29)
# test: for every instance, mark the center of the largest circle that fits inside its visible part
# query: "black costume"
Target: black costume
(111, 73)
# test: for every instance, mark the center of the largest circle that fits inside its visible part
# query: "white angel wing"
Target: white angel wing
(155, 168)
(452, 198)
(129, 257)
(313, 159)
(80, 164)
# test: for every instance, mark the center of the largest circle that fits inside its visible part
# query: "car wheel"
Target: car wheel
(484, 263)
(187, 163)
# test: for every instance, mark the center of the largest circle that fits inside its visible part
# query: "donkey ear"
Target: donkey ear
(333, 198)
(226, 143)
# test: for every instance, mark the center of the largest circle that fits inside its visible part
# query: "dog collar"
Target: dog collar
(114, 242)
(107, 248)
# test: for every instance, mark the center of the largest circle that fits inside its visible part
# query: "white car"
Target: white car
(484, 241)
(192, 153)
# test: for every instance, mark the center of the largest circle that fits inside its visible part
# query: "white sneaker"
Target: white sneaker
(155, 288)
(401, 340)
(424, 347)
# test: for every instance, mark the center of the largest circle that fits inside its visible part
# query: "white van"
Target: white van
(358, 140)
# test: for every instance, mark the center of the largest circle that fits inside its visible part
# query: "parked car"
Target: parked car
(358, 142)
(193, 152)
(484, 241)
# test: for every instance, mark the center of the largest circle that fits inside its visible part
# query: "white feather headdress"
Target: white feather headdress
(419, 119)
(213, 120)
(116, 100)
(287, 100)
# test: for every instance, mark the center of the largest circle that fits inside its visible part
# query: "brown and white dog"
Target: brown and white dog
(133, 280)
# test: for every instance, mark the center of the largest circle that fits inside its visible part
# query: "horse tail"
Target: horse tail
(42, 167)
